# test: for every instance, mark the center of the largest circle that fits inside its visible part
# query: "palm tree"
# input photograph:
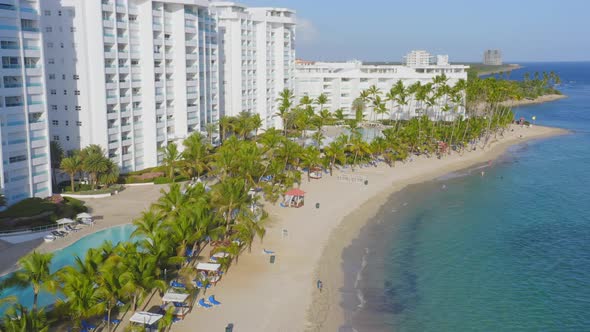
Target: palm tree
(255, 123)
(20, 319)
(339, 114)
(195, 156)
(170, 204)
(34, 271)
(225, 124)
(140, 277)
(285, 101)
(57, 154)
(358, 106)
(321, 100)
(109, 285)
(211, 128)
(318, 137)
(82, 296)
(310, 159)
(334, 152)
(94, 162)
(110, 174)
(230, 196)
(170, 159)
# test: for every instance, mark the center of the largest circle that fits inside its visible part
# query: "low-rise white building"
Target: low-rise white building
(25, 168)
(258, 57)
(342, 83)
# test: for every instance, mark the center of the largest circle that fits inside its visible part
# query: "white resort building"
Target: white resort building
(342, 82)
(257, 56)
(23, 117)
(130, 76)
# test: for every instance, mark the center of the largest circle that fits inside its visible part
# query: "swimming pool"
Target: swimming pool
(65, 257)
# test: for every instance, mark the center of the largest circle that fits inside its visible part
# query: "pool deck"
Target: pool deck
(111, 211)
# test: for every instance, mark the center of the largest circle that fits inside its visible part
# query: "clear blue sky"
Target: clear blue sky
(525, 30)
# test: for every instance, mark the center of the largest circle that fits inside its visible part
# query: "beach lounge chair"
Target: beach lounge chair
(213, 300)
(200, 285)
(57, 234)
(113, 320)
(203, 304)
(180, 304)
(87, 326)
(268, 252)
(177, 284)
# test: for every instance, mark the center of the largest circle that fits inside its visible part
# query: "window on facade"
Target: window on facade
(78, 108)
(53, 91)
(16, 159)
(63, 77)
(65, 92)
(49, 45)
(65, 107)
(51, 76)
(48, 29)
(47, 12)
(61, 45)
(76, 77)
(55, 122)
(67, 138)
(73, 29)
(51, 61)
(77, 92)
(67, 123)
(59, 13)
(79, 123)
(56, 138)
(54, 107)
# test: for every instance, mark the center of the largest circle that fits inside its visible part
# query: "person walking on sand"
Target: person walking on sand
(320, 285)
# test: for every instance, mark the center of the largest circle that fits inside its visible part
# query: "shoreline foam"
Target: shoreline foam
(327, 313)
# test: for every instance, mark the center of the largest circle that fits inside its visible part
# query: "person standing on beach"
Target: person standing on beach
(320, 285)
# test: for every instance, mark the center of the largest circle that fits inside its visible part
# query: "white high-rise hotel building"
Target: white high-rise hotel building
(258, 58)
(130, 76)
(23, 115)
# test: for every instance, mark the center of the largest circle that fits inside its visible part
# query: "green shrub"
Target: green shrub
(28, 207)
(162, 180)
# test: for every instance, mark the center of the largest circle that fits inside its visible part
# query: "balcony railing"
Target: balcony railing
(30, 29)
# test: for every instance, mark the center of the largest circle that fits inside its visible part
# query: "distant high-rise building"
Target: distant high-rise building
(419, 58)
(25, 167)
(492, 58)
(442, 60)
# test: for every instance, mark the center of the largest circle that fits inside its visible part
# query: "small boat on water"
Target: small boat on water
(49, 238)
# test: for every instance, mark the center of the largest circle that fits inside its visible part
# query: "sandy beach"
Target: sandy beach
(308, 242)
(538, 100)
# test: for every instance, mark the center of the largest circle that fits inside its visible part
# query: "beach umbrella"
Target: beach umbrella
(64, 221)
(83, 215)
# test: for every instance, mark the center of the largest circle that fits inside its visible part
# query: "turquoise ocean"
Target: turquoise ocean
(508, 251)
